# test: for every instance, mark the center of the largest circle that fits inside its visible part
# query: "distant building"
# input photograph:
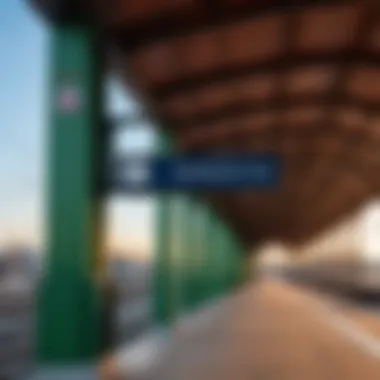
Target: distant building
(21, 261)
(125, 269)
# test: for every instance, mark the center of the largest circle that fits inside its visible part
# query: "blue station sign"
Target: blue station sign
(193, 173)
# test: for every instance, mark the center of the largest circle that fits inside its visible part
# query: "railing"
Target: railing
(16, 319)
(131, 317)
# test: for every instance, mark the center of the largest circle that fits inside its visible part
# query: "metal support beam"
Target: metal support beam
(193, 251)
(224, 259)
(69, 323)
(200, 252)
(205, 258)
(232, 260)
(217, 257)
(242, 268)
(163, 282)
(163, 302)
(187, 252)
(208, 268)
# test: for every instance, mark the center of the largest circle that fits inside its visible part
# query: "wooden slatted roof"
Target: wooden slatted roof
(301, 78)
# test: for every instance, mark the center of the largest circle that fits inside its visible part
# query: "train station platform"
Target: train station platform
(267, 331)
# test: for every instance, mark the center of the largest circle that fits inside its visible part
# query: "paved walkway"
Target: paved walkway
(270, 331)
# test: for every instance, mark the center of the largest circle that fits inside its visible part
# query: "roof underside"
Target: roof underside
(301, 79)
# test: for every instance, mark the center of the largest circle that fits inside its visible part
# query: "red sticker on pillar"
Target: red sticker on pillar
(68, 98)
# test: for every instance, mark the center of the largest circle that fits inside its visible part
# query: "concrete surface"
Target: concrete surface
(268, 331)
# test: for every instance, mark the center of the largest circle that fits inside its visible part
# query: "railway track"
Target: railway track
(358, 282)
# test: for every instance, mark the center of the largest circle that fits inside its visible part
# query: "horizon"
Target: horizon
(134, 255)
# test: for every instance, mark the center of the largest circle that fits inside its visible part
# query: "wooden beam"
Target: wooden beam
(248, 69)
(131, 36)
(205, 130)
(368, 18)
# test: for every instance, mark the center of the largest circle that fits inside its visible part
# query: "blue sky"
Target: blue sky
(23, 54)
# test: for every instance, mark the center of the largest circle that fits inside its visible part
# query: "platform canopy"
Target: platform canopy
(299, 78)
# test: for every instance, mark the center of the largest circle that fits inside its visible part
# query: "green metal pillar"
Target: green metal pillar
(183, 235)
(204, 259)
(180, 253)
(215, 258)
(237, 262)
(162, 298)
(229, 259)
(69, 320)
(222, 257)
(199, 246)
(163, 286)
(242, 267)
(209, 267)
(178, 242)
(190, 252)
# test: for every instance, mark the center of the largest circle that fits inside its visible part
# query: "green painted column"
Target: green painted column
(225, 258)
(205, 257)
(183, 236)
(216, 257)
(199, 244)
(242, 268)
(220, 264)
(190, 250)
(69, 315)
(238, 262)
(229, 258)
(163, 280)
(178, 242)
(211, 246)
(162, 298)
(180, 253)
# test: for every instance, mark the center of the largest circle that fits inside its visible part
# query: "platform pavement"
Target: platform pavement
(267, 331)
